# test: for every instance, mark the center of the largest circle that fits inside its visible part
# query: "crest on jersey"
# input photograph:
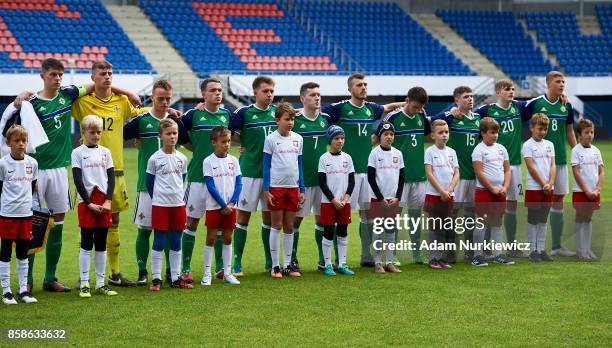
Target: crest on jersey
(451, 158)
(116, 108)
(28, 169)
(395, 159)
(322, 124)
(368, 112)
(273, 114)
(344, 164)
(230, 165)
(500, 152)
(512, 110)
(563, 109)
(477, 122)
(62, 101)
(296, 143)
(420, 123)
(222, 118)
(104, 157)
(179, 164)
(548, 149)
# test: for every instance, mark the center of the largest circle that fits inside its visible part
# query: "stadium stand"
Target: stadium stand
(382, 38)
(500, 37)
(238, 36)
(578, 54)
(72, 30)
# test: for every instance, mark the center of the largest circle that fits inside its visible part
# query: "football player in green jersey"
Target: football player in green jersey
(356, 116)
(52, 106)
(464, 126)
(411, 128)
(144, 129)
(560, 130)
(199, 124)
(312, 125)
(250, 126)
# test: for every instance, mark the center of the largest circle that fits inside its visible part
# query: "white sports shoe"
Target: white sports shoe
(591, 254)
(562, 252)
(27, 297)
(206, 280)
(9, 299)
(230, 279)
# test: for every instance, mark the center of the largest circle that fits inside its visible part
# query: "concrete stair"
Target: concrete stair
(589, 25)
(157, 50)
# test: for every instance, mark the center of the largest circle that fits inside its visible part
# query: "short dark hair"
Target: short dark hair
(307, 86)
(355, 76)
(51, 63)
(163, 84)
(205, 83)
(460, 90)
(418, 94)
(489, 123)
(583, 124)
(259, 80)
(217, 132)
(101, 65)
(284, 108)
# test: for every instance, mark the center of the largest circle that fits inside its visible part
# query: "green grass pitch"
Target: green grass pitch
(544, 304)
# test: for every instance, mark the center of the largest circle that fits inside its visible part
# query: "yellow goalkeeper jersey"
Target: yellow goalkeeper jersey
(114, 111)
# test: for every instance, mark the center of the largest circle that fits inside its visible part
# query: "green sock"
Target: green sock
(319, 240)
(53, 251)
(31, 268)
(556, 226)
(296, 239)
(240, 237)
(415, 236)
(167, 254)
(142, 248)
(265, 238)
(366, 241)
(510, 226)
(218, 253)
(187, 244)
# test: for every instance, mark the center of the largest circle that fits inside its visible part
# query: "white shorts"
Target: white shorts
(142, 211)
(312, 202)
(464, 192)
(252, 195)
(54, 189)
(196, 194)
(561, 180)
(413, 195)
(515, 190)
(360, 199)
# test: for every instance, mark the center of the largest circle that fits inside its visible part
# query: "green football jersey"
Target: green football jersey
(145, 128)
(199, 123)
(253, 125)
(410, 132)
(510, 127)
(463, 138)
(54, 115)
(560, 115)
(314, 134)
(357, 122)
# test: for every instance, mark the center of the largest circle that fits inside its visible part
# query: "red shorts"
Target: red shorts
(581, 201)
(434, 206)
(285, 198)
(89, 219)
(486, 202)
(214, 219)
(378, 210)
(15, 228)
(331, 216)
(168, 218)
(537, 199)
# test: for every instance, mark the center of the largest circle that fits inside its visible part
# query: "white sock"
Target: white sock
(22, 274)
(377, 252)
(578, 231)
(275, 246)
(587, 231)
(208, 254)
(287, 248)
(84, 265)
(541, 242)
(342, 250)
(5, 276)
(478, 240)
(532, 236)
(496, 238)
(100, 267)
(389, 239)
(327, 247)
(156, 264)
(227, 258)
(175, 264)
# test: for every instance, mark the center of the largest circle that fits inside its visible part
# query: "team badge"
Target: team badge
(230, 165)
(62, 101)
(477, 123)
(322, 124)
(500, 152)
(179, 164)
(368, 112)
(512, 110)
(116, 108)
(273, 113)
(395, 159)
(296, 143)
(420, 123)
(28, 169)
(563, 109)
(222, 118)
(344, 164)
(451, 158)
